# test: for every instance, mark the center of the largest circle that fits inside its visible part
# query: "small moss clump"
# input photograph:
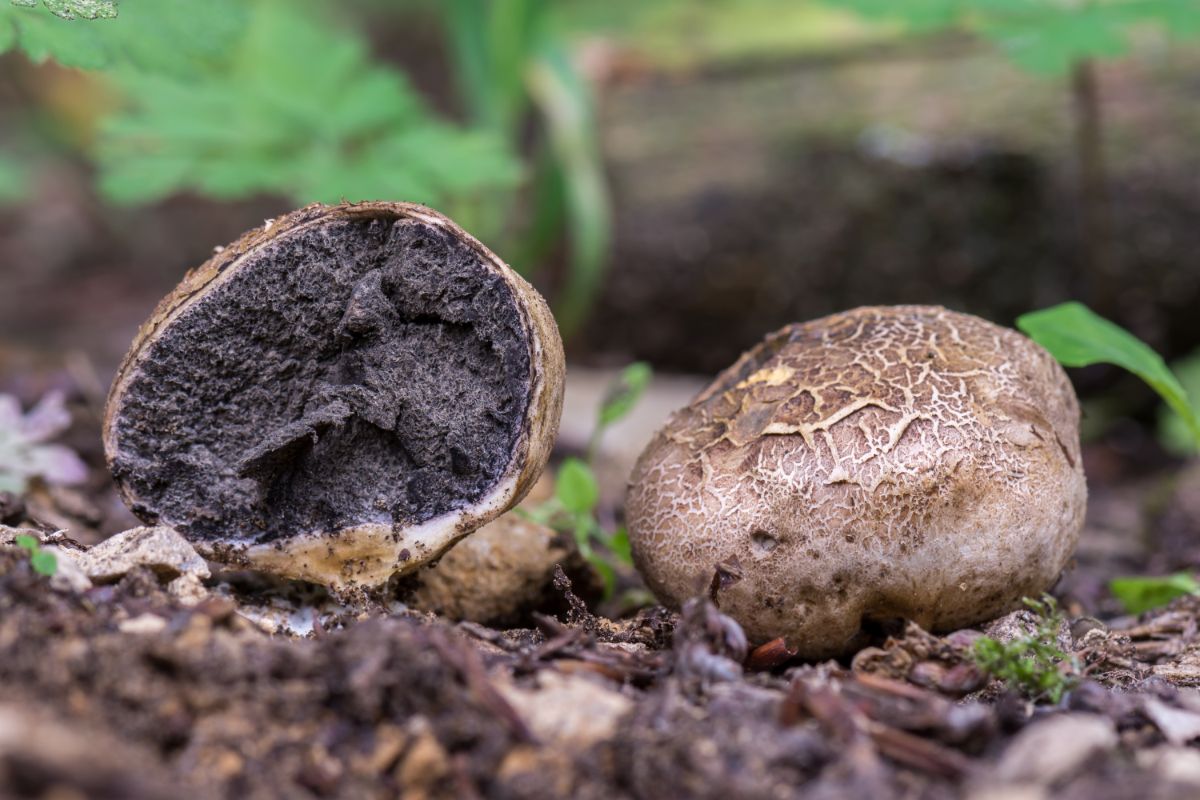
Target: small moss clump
(1034, 665)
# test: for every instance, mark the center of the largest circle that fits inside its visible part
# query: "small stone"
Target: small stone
(8, 535)
(425, 764)
(143, 624)
(1178, 726)
(188, 590)
(1055, 748)
(570, 711)
(1022, 624)
(963, 679)
(68, 576)
(1172, 764)
(159, 548)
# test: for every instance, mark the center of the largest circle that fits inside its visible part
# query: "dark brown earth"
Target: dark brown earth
(121, 691)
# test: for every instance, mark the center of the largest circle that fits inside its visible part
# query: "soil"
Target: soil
(132, 690)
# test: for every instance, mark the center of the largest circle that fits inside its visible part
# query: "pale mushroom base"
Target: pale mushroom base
(364, 556)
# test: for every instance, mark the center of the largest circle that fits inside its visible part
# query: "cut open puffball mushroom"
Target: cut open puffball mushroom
(884, 463)
(338, 396)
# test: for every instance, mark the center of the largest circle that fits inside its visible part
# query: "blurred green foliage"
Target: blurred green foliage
(1138, 594)
(13, 180)
(298, 108)
(231, 98)
(1078, 337)
(1173, 430)
(234, 97)
(42, 561)
(620, 398)
(511, 60)
(686, 33)
(1047, 36)
(160, 36)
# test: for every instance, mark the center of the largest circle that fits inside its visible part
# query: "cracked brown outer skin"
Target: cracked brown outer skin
(887, 462)
(368, 555)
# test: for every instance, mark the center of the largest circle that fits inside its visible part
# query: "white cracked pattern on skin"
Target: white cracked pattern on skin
(887, 462)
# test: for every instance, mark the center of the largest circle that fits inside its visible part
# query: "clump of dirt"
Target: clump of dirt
(227, 711)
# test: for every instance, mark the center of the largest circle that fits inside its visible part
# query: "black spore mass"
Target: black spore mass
(359, 371)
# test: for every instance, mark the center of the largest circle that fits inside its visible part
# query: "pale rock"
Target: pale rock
(571, 711)
(1172, 764)
(144, 624)
(1050, 750)
(160, 548)
(188, 589)
(68, 576)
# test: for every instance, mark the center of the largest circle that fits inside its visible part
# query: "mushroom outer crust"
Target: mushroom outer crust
(368, 555)
(883, 463)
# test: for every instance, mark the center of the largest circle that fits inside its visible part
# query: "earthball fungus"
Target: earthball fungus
(338, 396)
(885, 463)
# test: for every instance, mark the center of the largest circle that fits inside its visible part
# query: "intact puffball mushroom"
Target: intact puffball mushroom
(884, 463)
(338, 396)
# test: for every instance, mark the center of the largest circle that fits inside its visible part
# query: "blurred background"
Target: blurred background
(678, 177)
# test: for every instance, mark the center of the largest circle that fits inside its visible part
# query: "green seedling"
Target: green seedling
(1033, 664)
(573, 507)
(43, 562)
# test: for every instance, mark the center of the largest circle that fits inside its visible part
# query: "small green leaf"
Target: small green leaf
(608, 573)
(1138, 594)
(623, 394)
(619, 544)
(1078, 337)
(27, 542)
(44, 563)
(576, 487)
(14, 181)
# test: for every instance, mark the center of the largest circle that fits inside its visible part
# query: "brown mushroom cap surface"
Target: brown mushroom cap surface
(338, 396)
(888, 462)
